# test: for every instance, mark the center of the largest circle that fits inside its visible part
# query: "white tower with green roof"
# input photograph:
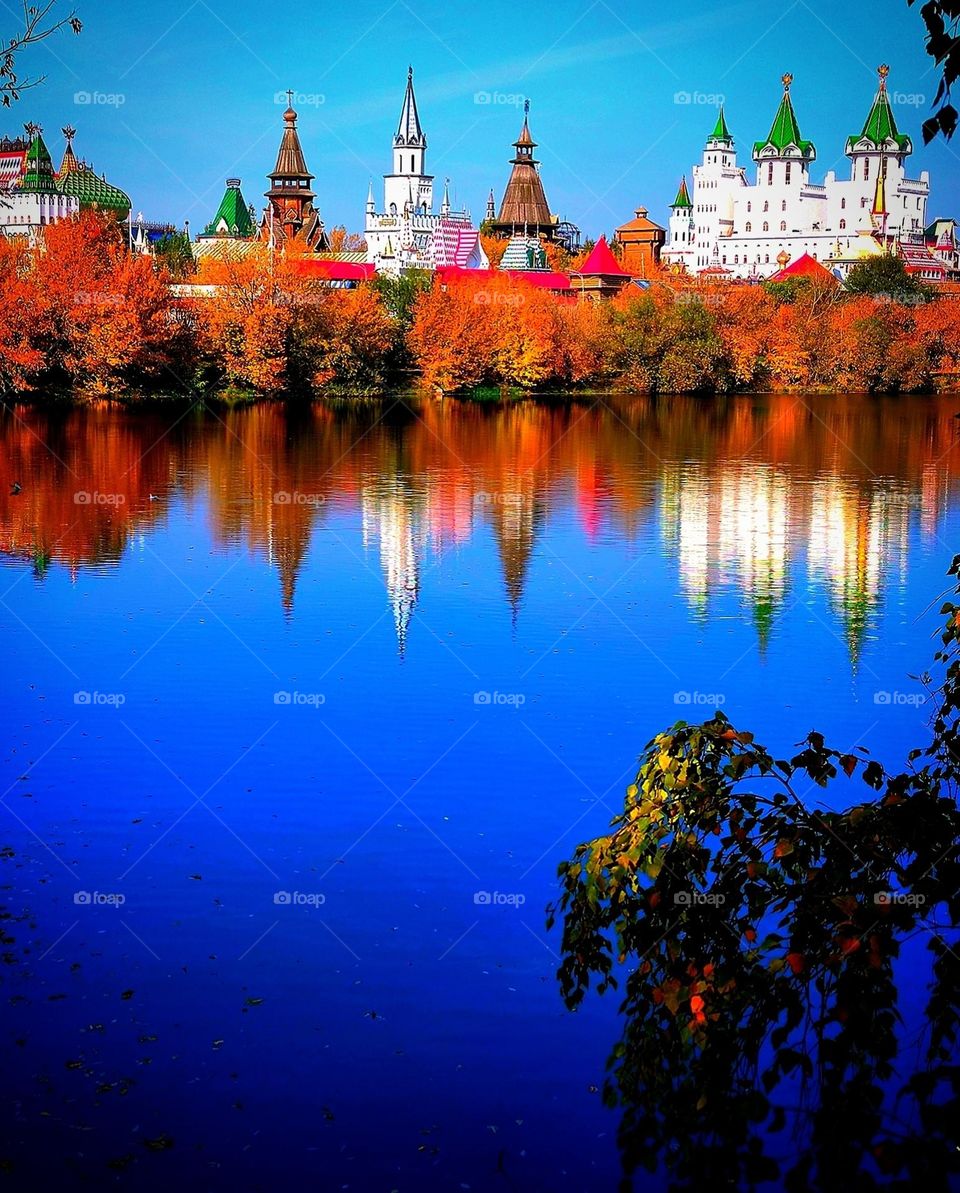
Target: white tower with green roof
(745, 228)
(680, 249)
(716, 183)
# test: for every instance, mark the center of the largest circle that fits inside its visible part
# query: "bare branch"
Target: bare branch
(39, 23)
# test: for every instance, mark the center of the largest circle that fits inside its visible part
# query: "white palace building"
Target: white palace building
(728, 226)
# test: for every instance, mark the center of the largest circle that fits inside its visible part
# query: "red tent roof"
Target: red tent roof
(804, 266)
(601, 261)
(340, 271)
(542, 278)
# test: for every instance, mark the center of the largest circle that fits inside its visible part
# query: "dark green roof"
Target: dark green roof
(38, 176)
(233, 215)
(881, 125)
(785, 131)
(94, 191)
(683, 195)
(721, 132)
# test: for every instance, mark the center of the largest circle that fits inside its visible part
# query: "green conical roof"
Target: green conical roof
(94, 191)
(38, 168)
(785, 130)
(721, 132)
(233, 215)
(683, 195)
(880, 127)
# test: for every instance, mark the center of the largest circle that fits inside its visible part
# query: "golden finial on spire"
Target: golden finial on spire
(786, 81)
(883, 71)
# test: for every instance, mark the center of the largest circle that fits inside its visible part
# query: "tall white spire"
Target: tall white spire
(409, 177)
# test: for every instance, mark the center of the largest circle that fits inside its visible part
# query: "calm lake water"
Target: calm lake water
(304, 709)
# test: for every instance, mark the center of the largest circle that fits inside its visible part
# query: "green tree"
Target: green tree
(399, 296)
(759, 940)
(942, 19)
(885, 276)
(173, 252)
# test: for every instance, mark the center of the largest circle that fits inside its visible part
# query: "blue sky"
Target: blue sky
(182, 95)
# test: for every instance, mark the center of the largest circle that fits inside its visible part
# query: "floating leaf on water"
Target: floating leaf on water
(162, 1143)
(253, 1002)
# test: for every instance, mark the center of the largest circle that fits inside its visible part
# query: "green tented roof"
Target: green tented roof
(785, 130)
(881, 125)
(94, 191)
(232, 218)
(683, 195)
(38, 174)
(721, 132)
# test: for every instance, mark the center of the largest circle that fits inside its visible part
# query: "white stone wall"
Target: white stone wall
(21, 214)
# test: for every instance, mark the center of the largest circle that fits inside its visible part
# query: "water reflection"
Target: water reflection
(743, 495)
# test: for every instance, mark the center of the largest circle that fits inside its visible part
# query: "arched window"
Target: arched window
(843, 204)
(749, 207)
(766, 259)
(783, 225)
(866, 168)
(748, 227)
(787, 179)
(766, 226)
(783, 205)
(843, 224)
(766, 205)
(736, 258)
(769, 173)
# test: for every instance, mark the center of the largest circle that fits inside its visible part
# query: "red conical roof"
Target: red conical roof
(602, 261)
(803, 266)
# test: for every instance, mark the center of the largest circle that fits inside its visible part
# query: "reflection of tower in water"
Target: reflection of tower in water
(857, 537)
(390, 514)
(730, 530)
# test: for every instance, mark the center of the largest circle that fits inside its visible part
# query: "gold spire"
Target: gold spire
(786, 81)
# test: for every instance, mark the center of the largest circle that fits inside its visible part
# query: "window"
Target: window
(866, 169)
(766, 259)
(749, 207)
(843, 204)
(769, 173)
(789, 164)
(783, 225)
(783, 205)
(766, 226)
(843, 224)
(411, 163)
(736, 258)
(766, 205)
(749, 227)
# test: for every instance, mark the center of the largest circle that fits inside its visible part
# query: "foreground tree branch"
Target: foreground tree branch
(39, 23)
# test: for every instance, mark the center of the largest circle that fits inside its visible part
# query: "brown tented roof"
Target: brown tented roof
(524, 203)
(290, 162)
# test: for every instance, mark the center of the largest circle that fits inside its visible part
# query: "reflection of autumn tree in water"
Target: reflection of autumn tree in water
(737, 486)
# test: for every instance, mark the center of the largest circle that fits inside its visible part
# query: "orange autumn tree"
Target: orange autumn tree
(110, 312)
(269, 326)
(25, 324)
(492, 329)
